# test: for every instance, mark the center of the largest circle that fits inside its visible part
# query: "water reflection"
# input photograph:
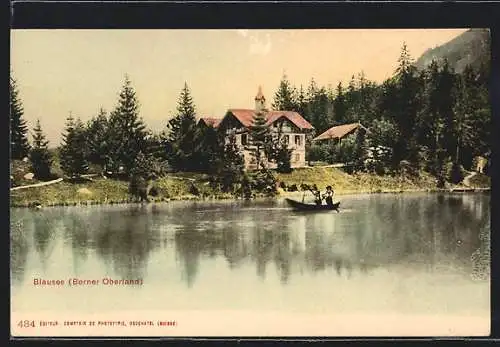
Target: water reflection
(428, 232)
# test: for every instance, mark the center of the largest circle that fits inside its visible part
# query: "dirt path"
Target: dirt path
(467, 178)
(41, 184)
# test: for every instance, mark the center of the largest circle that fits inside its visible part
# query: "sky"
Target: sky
(59, 72)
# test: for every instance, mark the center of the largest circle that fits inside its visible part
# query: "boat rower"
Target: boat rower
(328, 196)
(317, 195)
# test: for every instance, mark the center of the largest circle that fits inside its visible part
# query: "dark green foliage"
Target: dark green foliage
(229, 168)
(457, 173)
(97, 140)
(73, 154)
(145, 169)
(259, 139)
(209, 145)
(40, 157)
(144, 166)
(182, 132)
(138, 188)
(193, 189)
(339, 106)
(278, 151)
(19, 146)
(285, 98)
(319, 108)
(263, 181)
(127, 131)
(283, 158)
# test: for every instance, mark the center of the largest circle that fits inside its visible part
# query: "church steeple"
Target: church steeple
(260, 101)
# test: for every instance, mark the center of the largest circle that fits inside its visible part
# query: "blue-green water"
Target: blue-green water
(392, 253)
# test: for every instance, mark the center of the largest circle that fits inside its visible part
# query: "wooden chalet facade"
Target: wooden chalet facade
(292, 125)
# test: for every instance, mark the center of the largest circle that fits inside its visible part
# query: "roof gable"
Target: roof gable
(339, 131)
(246, 116)
(210, 121)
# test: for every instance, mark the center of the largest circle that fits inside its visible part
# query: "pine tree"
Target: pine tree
(40, 157)
(73, 150)
(339, 106)
(230, 166)
(259, 137)
(182, 129)
(126, 130)
(320, 109)
(209, 146)
(19, 146)
(97, 144)
(285, 98)
(302, 103)
(406, 105)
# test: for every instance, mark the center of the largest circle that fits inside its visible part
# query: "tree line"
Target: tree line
(433, 120)
(119, 145)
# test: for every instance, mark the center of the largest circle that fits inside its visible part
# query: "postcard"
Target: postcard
(244, 182)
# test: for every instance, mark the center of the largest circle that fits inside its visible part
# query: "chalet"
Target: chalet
(337, 133)
(292, 125)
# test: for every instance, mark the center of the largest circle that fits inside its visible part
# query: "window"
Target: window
(244, 139)
(297, 157)
(298, 140)
(286, 139)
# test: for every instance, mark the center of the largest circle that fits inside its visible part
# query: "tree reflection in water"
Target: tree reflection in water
(381, 232)
(428, 231)
(44, 234)
(19, 246)
(125, 240)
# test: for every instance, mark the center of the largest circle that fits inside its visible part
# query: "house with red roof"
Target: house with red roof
(238, 121)
(337, 133)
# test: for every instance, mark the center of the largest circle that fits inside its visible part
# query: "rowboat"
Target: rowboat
(300, 206)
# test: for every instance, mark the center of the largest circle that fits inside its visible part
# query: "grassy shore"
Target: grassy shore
(179, 187)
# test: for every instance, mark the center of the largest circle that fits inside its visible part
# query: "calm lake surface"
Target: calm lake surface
(405, 253)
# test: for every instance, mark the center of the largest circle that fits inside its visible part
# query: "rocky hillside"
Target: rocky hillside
(471, 47)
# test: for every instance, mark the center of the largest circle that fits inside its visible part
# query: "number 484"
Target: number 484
(26, 323)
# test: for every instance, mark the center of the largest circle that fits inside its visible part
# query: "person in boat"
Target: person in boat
(328, 196)
(317, 195)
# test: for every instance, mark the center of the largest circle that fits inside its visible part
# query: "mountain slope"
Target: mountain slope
(472, 47)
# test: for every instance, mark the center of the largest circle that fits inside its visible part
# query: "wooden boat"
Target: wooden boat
(300, 206)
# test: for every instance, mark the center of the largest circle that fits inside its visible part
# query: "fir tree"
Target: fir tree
(97, 139)
(73, 154)
(230, 166)
(19, 146)
(209, 146)
(40, 157)
(259, 137)
(285, 98)
(339, 106)
(302, 103)
(406, 104)
(182, 129)
(126, 130)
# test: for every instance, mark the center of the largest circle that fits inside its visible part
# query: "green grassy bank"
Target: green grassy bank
(179, 187)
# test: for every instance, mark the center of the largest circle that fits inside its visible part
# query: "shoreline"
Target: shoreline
(226, 197)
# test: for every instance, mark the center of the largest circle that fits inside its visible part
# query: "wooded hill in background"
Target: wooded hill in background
(470, 48)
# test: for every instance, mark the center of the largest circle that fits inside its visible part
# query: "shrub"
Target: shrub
(138, 188)
(456, 173)
(263, 181)
(194, 190)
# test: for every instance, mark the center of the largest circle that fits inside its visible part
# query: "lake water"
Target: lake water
(413, 254)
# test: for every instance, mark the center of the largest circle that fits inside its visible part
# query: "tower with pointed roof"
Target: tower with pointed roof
(260, 101)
